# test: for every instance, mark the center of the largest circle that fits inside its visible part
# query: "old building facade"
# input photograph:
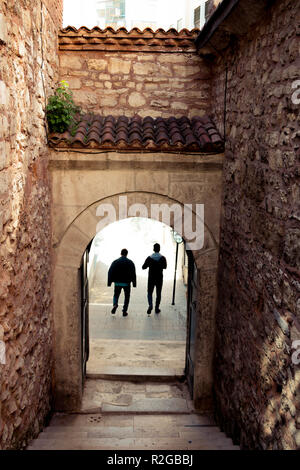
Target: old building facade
(248, 289)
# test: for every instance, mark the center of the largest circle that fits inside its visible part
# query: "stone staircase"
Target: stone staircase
(123, 415)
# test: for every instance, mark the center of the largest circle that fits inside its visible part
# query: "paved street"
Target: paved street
(139, 340)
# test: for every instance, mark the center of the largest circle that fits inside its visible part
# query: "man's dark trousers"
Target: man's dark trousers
(117, 293)
(151, 284)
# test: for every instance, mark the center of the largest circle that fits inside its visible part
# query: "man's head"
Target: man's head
(124, 252)
(156, 248)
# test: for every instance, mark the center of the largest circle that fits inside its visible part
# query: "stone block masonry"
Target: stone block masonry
(149, 80)
(55, 10)
(25, 264)
(257, 387)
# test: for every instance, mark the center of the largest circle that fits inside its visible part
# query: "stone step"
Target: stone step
(149, 406)
(96, 421)
(137, 374)
(128, 415)
(132, 444)
(114, 431)
(129, 404)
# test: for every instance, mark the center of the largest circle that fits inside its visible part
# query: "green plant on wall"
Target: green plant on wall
(61, 110)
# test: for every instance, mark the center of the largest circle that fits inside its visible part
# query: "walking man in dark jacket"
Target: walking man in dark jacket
(122, 273)
(156, 264)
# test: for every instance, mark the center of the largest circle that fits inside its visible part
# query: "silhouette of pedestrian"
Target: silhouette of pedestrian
(156, 264)
(122, 273)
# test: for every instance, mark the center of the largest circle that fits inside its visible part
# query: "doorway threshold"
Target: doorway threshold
(137, 374)
(135, 397)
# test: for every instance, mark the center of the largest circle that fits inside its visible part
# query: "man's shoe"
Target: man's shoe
(149, 310)
(157, 310)
(114, 309)
(125, 314)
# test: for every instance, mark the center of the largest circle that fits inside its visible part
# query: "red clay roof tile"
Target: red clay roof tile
(108, 132)
(121, 39)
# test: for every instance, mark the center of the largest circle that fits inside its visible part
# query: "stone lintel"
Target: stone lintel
(88, 157)
(117, 160)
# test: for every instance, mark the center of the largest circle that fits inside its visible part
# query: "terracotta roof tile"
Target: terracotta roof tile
(121, 39)
(108, 132)
(121, 135)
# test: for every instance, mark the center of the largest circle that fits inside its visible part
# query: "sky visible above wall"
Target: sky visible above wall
(130, 13)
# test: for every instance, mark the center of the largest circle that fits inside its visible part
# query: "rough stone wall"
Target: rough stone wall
(148, 84)
(55, 9)
(25, 320)
(257, 386)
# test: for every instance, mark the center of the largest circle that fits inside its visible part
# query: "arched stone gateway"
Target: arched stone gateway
(81, 183)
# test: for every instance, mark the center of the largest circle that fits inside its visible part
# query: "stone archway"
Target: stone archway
(68, 252)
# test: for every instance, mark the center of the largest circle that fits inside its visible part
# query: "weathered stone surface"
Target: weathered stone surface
(3, 93)
(179, 105)
(144, 68)
(70, 61)
(117, 65)
(256, 384)
(129, 82)
(136, 100)
(4, 182)
(75, 83)
(108, 101)
(3, 28)
(25, 315)
(292, 247)
(97, 64)
(188, 70)
(4, 155)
